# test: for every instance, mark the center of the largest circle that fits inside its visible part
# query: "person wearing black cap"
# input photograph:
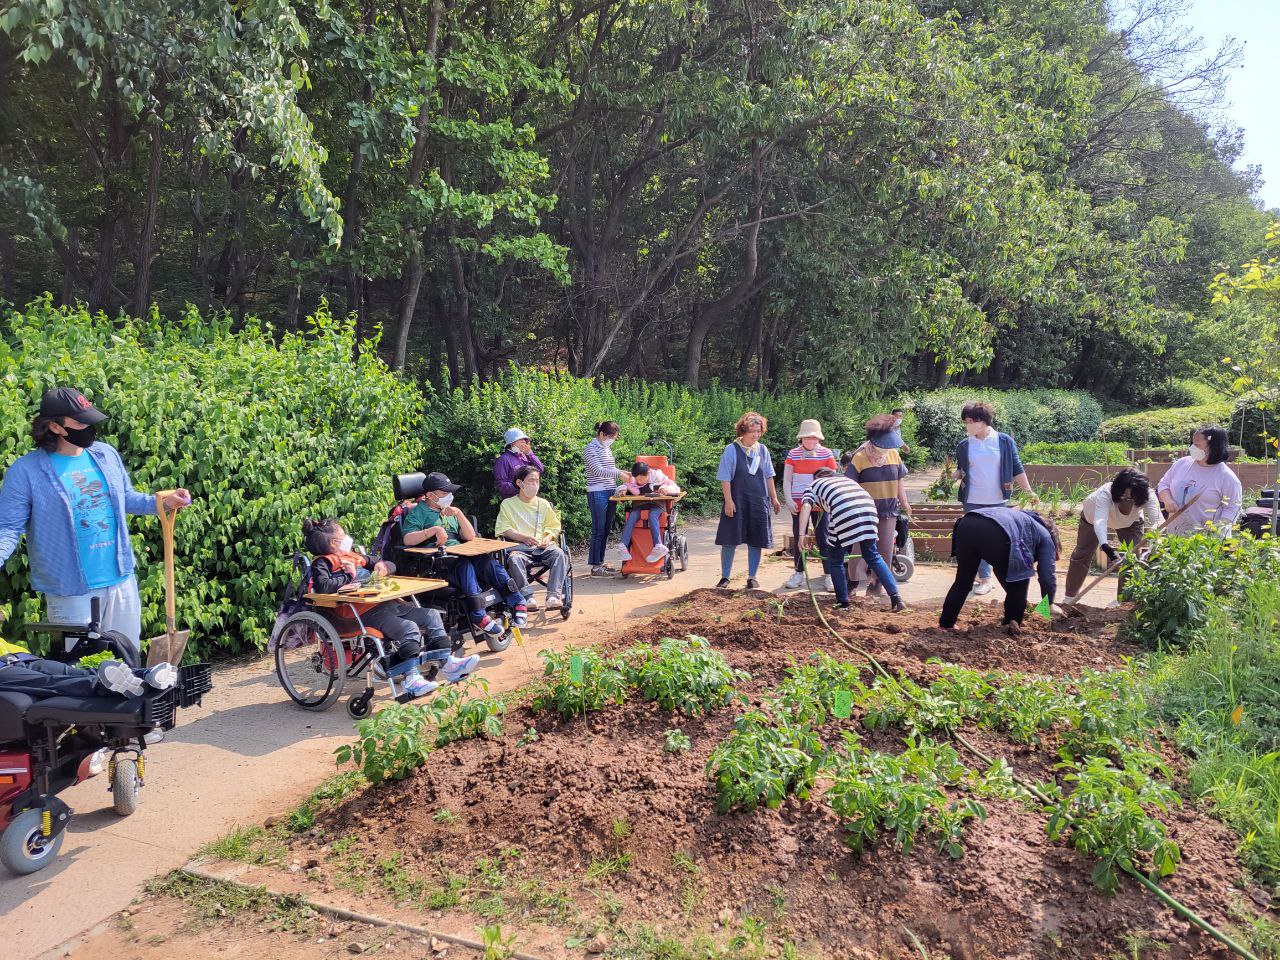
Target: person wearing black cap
(435, 520)
(70, 496)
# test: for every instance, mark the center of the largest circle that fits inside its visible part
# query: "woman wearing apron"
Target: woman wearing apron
(746, 481)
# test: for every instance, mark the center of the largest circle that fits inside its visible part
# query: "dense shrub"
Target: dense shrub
(1183, 393)
(1158, 428)
(1255, 423)
(1085, 451)
(1049, 416)
(263, 434)
(465, 426)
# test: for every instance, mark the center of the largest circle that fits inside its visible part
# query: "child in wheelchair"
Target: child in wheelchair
(434, 520)
(336, 568)
(646, 480)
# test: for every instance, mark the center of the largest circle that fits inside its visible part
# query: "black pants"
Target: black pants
(978, 538)
(41, 679)
(403, 625)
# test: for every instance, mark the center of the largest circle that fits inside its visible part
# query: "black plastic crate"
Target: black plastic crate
(194, 681)
(160, 709)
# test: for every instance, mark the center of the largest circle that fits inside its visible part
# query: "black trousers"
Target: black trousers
(404, 627)
(978, 538)
(41, 679)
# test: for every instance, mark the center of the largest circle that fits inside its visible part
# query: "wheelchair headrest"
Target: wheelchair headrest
(408, 486)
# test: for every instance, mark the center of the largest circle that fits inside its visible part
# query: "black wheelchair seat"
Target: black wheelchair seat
(13, 707)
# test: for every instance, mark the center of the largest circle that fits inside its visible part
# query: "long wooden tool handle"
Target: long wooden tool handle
(1115, 564)
(167, 518)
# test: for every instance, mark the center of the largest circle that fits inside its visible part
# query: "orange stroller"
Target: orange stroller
(642, 536)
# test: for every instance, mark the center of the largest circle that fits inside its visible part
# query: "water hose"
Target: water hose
(1168, 900)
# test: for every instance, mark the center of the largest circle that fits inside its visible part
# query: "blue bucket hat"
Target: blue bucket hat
(885, 439)
(512, 435)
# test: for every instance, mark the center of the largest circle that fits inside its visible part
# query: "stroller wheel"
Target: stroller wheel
(23, 846)
(124, 786)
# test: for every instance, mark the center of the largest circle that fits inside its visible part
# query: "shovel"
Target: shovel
(170, 645)
(1073, 610)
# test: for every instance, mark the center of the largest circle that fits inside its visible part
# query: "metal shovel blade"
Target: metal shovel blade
(167, 648)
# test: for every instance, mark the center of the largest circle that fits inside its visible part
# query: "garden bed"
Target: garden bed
(591, 827)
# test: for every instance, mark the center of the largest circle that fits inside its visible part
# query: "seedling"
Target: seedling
(621, 828)
(496, 945)
(529, 736)
(676, 742)
(445, 816)
(607, 867)
(685, 862)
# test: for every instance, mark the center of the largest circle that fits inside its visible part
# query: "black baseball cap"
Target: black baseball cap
(70, 402)
(438, 481)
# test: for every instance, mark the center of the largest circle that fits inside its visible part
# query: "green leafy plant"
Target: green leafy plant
(392, 743)
(95, 660)
(676, 742)
(1080, 451)
(603, 681)
(459, 715)
(807, 694)
(764, 761)
(1105, 815)
(684, 676)
(497, 946)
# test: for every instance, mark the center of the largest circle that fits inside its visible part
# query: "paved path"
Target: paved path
(247, 753)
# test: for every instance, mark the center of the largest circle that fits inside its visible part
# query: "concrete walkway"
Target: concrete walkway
(248, 752)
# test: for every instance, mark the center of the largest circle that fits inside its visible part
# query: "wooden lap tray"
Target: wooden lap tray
(667, 499)
(468, 548)
(400, 588)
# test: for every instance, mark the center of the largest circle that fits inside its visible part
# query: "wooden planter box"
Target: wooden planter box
(932, 547)
(1166, 455)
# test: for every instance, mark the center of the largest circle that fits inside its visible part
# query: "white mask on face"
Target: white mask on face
(609, 441)
(445, 501)
(1197, 454)
(344, 545)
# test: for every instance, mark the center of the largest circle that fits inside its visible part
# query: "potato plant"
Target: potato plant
(765, 761)
(602, 680)
(684, 676)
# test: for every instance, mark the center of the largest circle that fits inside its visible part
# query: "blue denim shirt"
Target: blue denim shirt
(33, 501)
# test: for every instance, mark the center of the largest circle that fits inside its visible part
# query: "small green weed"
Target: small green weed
(685, 862)
(245, 845)
(676, 742)
(497, 946)
(621, 828)
(599, 869)
(445, 816)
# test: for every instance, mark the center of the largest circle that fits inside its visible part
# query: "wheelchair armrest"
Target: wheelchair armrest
(45, 626)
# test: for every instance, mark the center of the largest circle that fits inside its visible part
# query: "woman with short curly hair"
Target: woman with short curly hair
(746, 483)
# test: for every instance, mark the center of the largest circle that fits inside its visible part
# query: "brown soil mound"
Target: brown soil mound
(558, 798)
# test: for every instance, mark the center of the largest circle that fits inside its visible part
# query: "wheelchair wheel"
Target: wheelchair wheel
(124, 786)
(23, 846)
(314, 667)
(498, 644)
(903, 567)
(683, 541)
(567, 607)
(361, 706)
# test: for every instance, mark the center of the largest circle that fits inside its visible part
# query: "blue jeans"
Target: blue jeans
(466, 575)
(655, 524)
(726, 559)
(833, 557)
(603, 510)
(984, 568)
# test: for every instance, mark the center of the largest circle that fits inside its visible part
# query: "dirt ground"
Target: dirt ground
(591, 836)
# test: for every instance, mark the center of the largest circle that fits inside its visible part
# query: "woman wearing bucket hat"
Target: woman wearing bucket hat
(797, 476)
(878, 468)
(517, 452)
(71, 496)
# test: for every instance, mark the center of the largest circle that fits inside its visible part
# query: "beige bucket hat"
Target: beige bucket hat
(809, 428)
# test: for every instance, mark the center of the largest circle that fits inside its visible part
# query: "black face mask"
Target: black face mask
(81, 436)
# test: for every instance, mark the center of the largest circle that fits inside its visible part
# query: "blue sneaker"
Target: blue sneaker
(459, 668)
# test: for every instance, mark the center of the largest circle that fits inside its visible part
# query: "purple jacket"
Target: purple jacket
(505, 467)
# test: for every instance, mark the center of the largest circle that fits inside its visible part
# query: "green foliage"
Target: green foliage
(904, 795)
(1173, 591)
(603, 681)
(1164, 428)
(460, 715)
(391, 744)
(684, 676)
(262, 432)
(1184, 393)
(765, 761)
(1087, 452)
(1029, 416)
(807, 694)
(676, 741)
(1106, 815)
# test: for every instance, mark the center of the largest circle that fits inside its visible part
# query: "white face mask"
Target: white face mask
(445, 501)
(608, 442)
(1197, 454)
(344, 545)
(897, 423)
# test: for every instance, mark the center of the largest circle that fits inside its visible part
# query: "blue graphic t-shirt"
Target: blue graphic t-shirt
(95, 518)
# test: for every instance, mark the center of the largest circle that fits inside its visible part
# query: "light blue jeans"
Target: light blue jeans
(633, 518)
(726, 560)
(119, 609)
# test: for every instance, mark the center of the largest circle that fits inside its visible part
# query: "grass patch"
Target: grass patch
(245, 845)
(214, 900)
(609, 866)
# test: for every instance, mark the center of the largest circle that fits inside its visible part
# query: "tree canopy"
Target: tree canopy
(864, 194)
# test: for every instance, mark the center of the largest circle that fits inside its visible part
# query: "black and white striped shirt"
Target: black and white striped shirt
(601, 468)
(851, 513)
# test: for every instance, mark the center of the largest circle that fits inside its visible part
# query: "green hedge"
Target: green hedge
(465, 426)
(1086, 452)
(263, 434)
(1030, 416)
(1184, 393)
(1160, 428)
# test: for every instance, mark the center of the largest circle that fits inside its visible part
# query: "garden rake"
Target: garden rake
(170, 645)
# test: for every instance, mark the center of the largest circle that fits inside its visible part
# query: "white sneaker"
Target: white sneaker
(531, 605)
(982, 587)
(657, 553)
(554, 603)
(795, 582)
(162, 676)
(828, 586)
(154, 735)
(1113, 605)
(419, 686)
(1070, 601)
(623, 553)
(115, 675)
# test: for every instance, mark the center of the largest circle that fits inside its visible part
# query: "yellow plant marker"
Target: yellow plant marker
(519, 637)
(1237, 714)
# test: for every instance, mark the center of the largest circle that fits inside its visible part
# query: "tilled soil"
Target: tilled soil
(558, 799)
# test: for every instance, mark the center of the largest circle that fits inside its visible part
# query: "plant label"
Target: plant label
(1042, 607)
(843, 704)
(575, 668)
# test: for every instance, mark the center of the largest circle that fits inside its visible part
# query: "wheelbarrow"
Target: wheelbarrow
(170, 645)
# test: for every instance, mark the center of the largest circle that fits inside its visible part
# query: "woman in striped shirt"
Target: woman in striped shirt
(852, 521)
(603, 476)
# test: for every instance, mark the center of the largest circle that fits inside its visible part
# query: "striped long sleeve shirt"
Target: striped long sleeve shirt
(851, 513)
(601, 469)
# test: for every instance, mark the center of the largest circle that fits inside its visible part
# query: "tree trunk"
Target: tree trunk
(146, 233)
